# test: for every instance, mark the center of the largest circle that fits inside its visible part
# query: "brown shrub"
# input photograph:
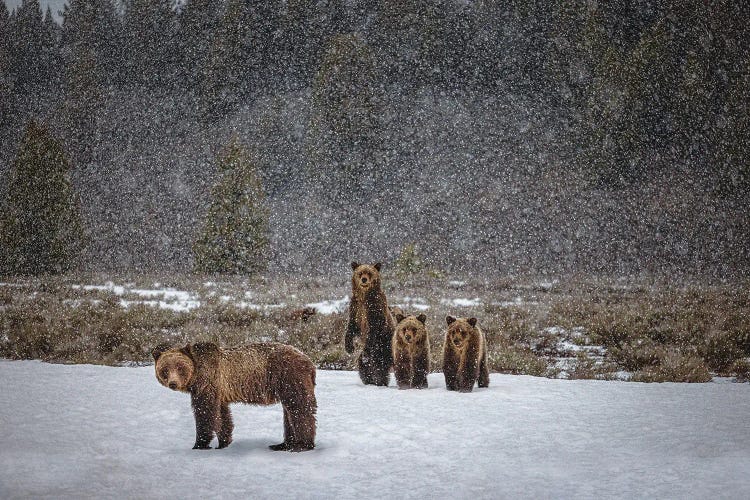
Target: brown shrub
(675, 367)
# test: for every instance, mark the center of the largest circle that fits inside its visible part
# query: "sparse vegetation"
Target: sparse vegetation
(575, 331)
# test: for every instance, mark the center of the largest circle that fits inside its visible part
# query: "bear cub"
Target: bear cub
(464, 355)
(370, 319)
(262, 373)
(411, 352)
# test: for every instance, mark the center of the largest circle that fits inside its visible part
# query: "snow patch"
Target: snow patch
(330, 306)
(475, 302)
(175, 300)
(411, 303)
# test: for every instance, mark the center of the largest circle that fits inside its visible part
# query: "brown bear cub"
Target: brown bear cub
(464, 355)
(262, 374)
(371, 320)
(411, 352)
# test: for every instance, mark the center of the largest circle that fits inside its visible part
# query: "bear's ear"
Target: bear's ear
(399, 317)
(159, 350)
(422, 318)
(202, 349)
(355, 265)
(377, 266)
(450, 319)
(187, 351)
(472, 321)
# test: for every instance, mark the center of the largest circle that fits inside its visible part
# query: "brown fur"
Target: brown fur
(411, 352)
(371, 320)
(464, 355)
(263, 374)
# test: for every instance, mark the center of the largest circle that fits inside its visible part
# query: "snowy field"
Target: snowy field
(83, 431)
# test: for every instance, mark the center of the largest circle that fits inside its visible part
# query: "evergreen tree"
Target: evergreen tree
(90, 30)
(234, 237)
(732, 157)
(344, 124)
(264, 33)
(225, 82)
(51, 56)
(150, 39)
(300, 41)
(6, 77)
(198, 23)
(27, 46)
(40, 227)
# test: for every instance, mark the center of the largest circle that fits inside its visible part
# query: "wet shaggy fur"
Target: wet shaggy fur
(464, 355)
(411, 352)
(262, 374)
(370, 319)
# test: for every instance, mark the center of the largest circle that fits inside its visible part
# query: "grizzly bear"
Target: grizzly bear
(411, 352)
(371, 320)
(262, 373)
(464, 355)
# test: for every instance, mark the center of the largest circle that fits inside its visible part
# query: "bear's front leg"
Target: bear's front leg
(206, 411)
(419, 376)
(467, 375)
(226, 426)
(352, 330)
(450, 367)
(402, 370)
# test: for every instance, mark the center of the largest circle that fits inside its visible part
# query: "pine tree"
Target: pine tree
(91, 30)
(732, 157)
(27, 46)
(89, 33)
(6, 77)
(51, 56)
(225, 84)
(234, 237)
(344, 123)
(150, 51)
(198, 23)
(40, 226)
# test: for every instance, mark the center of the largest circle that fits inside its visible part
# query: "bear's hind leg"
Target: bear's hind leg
(300, 407)
(484, 373)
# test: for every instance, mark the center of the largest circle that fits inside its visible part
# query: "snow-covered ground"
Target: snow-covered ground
(82, 431)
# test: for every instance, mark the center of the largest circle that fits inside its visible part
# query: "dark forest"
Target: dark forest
(491, 138)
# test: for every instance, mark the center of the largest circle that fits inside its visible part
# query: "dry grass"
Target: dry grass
(657, 333)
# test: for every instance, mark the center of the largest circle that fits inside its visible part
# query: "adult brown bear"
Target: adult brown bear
(263, 374)
(371, 320)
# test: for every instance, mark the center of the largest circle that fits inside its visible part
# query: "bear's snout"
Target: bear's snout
(408, 337)
(173, 385)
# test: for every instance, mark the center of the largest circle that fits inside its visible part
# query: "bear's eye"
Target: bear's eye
(164, 373)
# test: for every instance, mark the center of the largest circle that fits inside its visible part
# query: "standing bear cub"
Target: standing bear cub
(464, 355)
(263, 374)
(411, 352)
(371, 320)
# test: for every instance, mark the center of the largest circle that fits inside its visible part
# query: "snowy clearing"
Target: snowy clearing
(83, 431)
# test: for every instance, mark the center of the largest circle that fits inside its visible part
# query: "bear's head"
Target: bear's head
(365, 277)
(175, 366)
(460, 331)
(411, 329)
